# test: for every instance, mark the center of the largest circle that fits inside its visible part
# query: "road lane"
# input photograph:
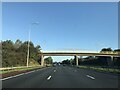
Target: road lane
(103, 80)
(27, 80)
(63, 77)
(69, 77)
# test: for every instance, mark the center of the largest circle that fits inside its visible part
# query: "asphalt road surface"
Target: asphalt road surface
(62, 77)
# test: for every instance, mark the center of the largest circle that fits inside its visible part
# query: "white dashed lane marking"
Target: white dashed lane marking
(54, 70)
(49, 78)
(90, 77)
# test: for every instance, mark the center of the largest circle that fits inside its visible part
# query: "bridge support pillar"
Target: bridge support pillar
(42, 60)
(81, 58)
(76, 57)
(112, 58)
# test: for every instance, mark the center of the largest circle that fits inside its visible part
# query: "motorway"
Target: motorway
(62, 77)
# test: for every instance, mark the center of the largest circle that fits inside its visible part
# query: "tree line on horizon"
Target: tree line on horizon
(97, 60)
(15, 53)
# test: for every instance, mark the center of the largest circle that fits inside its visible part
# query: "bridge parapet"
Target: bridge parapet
(79, 53)
(109, 52)
(69, 51)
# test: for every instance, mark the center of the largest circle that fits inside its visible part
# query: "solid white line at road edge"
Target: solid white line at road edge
(20, 74)
(17, 75)
(49, 78)
(12, 76)
(90, 76)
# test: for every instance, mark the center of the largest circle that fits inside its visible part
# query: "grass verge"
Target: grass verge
(20, 69)
(100, 69)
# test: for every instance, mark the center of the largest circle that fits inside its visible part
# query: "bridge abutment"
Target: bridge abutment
(42, 60)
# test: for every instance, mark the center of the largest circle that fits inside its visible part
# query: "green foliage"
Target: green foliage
(117, 50)
(17, 44)
(66, 62)
(106, 49)
(97, 60)
(14, 54)
(48, 60)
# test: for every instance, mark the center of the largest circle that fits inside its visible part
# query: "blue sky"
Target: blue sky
(87, 26)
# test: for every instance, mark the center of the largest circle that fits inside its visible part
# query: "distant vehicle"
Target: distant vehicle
(58, 63)
(54, 64)
(64, 65)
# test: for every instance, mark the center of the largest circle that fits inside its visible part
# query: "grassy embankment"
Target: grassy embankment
(100, 69)
(20, 69)
(32, 66)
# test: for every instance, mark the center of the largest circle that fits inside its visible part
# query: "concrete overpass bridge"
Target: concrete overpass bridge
(77, 53)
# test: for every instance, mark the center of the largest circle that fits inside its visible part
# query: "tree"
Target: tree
(67, 61)
(38, 48)
(8, 45)
(106, 50)
(48, 60)
(117, 50)
(17, 44)
(14, 54)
